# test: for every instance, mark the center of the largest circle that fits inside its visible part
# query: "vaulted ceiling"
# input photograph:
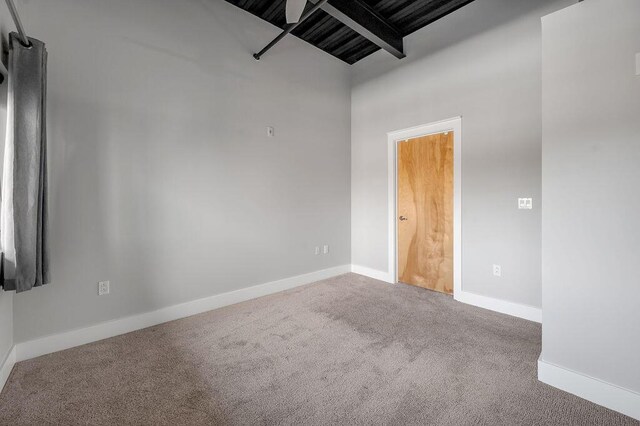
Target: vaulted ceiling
(353, 29)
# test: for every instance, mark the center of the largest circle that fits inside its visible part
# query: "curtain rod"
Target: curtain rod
(16, 19)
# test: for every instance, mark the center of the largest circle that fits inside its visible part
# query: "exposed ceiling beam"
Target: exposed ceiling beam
(364, 20)
(290, 27)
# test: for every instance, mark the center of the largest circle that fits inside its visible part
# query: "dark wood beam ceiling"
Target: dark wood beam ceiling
(366, 21)
(334, 37)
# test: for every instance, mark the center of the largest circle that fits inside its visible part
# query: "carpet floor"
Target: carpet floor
(348, 350)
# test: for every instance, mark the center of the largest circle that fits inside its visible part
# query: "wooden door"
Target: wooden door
(425, 212)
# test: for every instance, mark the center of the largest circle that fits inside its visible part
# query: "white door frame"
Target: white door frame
(454, 125)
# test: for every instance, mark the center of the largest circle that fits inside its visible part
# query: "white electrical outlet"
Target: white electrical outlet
(637, 63)
(103, 288)
(525, 203)
(497, 270)
(317, 250)
(271, 132)
(325, 249)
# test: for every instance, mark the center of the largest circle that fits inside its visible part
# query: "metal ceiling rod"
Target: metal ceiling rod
(288, 29)
(16, 18)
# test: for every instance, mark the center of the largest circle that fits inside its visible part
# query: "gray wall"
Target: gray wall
(591, 175)
(483, 63)
(163, 180)
(6, 322)
(6, 298)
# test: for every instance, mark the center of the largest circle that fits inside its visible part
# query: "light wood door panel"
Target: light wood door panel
(425, 212)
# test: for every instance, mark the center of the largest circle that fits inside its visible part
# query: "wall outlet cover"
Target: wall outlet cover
(497, 270)
(325, 249)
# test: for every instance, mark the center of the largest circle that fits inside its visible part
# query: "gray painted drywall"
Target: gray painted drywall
(162, 178)
(482, 63)
(6, 298)
(591, 175)
(6, 323)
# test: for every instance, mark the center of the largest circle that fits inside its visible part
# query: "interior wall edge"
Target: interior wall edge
(589, 181)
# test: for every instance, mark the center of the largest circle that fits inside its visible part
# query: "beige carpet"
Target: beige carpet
(349, 350)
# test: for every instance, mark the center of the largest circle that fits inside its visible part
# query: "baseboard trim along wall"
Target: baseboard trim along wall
(530, 313)
(70, 339)
(622, 400)
(372, 273)
(527, 312)
(7, 366)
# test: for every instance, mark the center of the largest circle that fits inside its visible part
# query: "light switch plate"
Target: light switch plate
(525, 203)
(103, 288)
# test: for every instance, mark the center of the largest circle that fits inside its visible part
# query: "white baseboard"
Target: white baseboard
(372, 273)
(622, 400)
(510, 308)
(70, 339)
(7, 366)
(503, 306)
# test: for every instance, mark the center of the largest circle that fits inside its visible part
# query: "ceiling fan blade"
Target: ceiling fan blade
(295, 9)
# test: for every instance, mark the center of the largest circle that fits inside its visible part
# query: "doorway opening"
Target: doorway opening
(425, 206)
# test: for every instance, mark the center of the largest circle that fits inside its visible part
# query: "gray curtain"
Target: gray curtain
(24, 232)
